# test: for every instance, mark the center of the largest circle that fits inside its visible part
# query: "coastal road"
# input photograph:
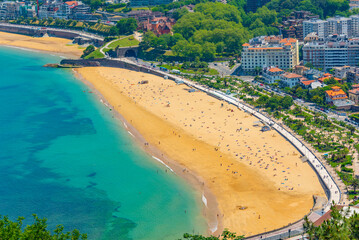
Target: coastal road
(81, 33)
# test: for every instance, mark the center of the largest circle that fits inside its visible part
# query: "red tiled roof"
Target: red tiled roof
(288, 40)
(308, 82)
(322, 79)
(292, 75)
(275, 69)
(335, 93)
(354, 91)
(72, 3)
(246, 45)
(271, 48)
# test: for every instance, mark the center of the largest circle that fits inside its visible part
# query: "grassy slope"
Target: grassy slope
(124, 42)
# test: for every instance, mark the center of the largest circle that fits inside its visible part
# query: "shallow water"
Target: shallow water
(64, 157)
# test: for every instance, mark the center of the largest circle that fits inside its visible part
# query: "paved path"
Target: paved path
(81, 33)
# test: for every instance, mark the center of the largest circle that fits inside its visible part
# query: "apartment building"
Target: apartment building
(9, 10)
(340, 25)
(267, 51)
(355, 25)
(65, 10)
(315, 25)
(335, 25)
(335, 51)
(292, 25)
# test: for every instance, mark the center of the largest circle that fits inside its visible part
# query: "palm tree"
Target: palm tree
(351, 129)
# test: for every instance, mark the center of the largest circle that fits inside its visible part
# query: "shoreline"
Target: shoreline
(256, 202)
(209, 205)
(196, 180)
(53, 45)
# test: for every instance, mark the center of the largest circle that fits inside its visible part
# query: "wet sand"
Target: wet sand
(257, 178)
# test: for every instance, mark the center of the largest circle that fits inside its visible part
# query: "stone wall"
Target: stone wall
(24, 31)
(111, 63)
(40, 31)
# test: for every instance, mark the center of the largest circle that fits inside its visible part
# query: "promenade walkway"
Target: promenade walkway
(331, 188)
(80, 33)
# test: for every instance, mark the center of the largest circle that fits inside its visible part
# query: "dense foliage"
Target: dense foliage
(219, 30)
(88, 50)
(214, 30)
(316, 95)
(226, 235)
(324, 8)
(126, 26)
(339, 226)
(38, 230)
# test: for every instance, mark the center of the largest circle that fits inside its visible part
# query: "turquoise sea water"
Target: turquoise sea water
(63, 157)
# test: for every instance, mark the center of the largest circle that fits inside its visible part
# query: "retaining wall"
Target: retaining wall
(39, 31)
(112, 63)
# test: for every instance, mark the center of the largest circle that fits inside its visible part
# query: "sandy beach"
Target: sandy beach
(58, 46)
(258, 179)
(254, 181)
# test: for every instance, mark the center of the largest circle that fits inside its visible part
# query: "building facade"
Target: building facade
(290, 79)
(335, 25)
(337, 97)
(292, 25)
(272, 74)
(335, 51)
(340, 25)
(354, 94)
(269, 51)
(315, 25)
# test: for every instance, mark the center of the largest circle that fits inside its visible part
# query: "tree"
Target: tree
(208, 51)
(226, 235)
(286, 102)
(351, 129)
(340, 226)
(355, 184)
(113, 31)
(149, 40)
(126, 26)
(38, 230)
(88, 50)
(178, 13)
(309, 65)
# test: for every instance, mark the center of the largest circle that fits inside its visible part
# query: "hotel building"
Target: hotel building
(270, 51)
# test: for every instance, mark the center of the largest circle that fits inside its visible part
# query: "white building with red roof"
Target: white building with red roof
(338, 98)
(272, 74)
(290, 79)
